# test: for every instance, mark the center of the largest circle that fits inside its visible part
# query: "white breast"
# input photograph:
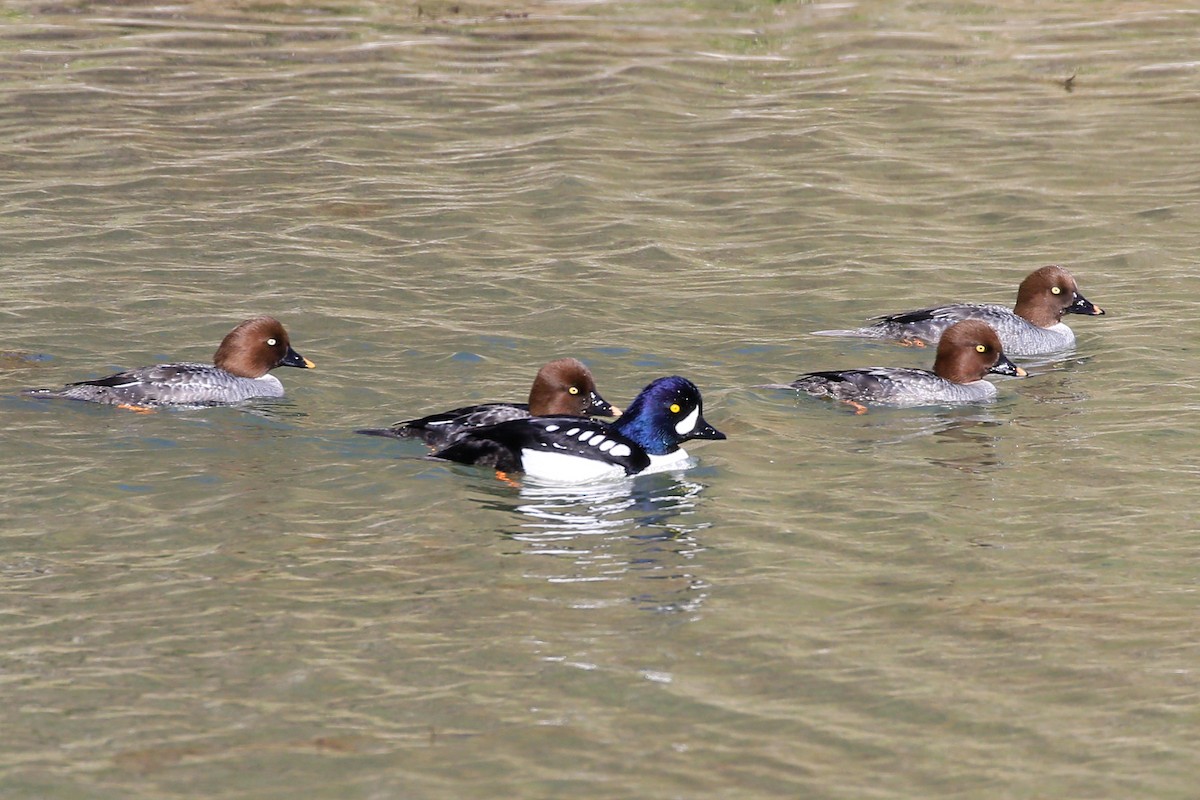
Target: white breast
(677, 460)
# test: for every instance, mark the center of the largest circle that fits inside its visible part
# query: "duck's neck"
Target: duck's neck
(640, 429)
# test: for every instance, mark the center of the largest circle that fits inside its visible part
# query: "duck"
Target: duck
(966, 352)
(241, 370)
(562, 449)
(1033, 326)
(563, 387)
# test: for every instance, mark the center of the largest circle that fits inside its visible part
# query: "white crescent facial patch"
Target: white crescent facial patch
(688, 423)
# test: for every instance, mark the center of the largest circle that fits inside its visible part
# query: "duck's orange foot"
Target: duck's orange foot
(859, 408)
(137, 408)
(502, 476)
(912, 343)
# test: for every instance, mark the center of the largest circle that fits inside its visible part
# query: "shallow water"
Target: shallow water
(250, 603)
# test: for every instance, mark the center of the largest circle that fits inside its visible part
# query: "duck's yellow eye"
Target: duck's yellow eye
(981, 348)
(1055, 290)
(674, 408)
(573, 390)
(270, 342)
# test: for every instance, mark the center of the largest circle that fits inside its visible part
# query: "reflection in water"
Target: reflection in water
(1054, 386)
(982, 437)
(280, 410)
(616, 533)
(1052, 362)
(971, 435)
(12, 359)
(952, 424)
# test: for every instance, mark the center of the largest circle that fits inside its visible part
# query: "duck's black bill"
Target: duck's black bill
(294, 359)
(1006, 367)
(1081, 305)
(599, 407)
(705, 431)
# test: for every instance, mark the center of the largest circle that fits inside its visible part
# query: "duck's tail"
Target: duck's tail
(858, 333)
(391, 433)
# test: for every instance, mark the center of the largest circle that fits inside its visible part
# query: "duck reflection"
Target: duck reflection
(974, 444)
(968, 439)
(638, 535)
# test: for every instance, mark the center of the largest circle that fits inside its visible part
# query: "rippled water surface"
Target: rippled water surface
(436, 199)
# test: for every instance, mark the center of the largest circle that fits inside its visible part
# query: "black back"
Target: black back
(500, 446)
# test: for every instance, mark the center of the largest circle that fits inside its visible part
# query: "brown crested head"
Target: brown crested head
(970, 349)
(1045, 295)
(566, 387)
(256, 347)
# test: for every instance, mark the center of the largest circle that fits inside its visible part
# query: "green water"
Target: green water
(257, 603)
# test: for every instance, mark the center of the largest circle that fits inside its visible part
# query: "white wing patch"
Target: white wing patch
(551, 428)
(688, 423)
(620, 450)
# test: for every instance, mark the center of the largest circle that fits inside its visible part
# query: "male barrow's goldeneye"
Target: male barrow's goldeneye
(967, 351)
(1033, 326)
(563, 387)
(645, 438)
(240, 370)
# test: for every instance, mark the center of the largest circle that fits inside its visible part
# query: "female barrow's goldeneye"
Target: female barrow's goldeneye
(240, 370)
(645, 438)
(967, 351)
(562, 387)
(1032, 327)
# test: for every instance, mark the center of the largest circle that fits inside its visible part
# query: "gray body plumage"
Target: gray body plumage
(170, 384)
(1018, 336)
(892, 386)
